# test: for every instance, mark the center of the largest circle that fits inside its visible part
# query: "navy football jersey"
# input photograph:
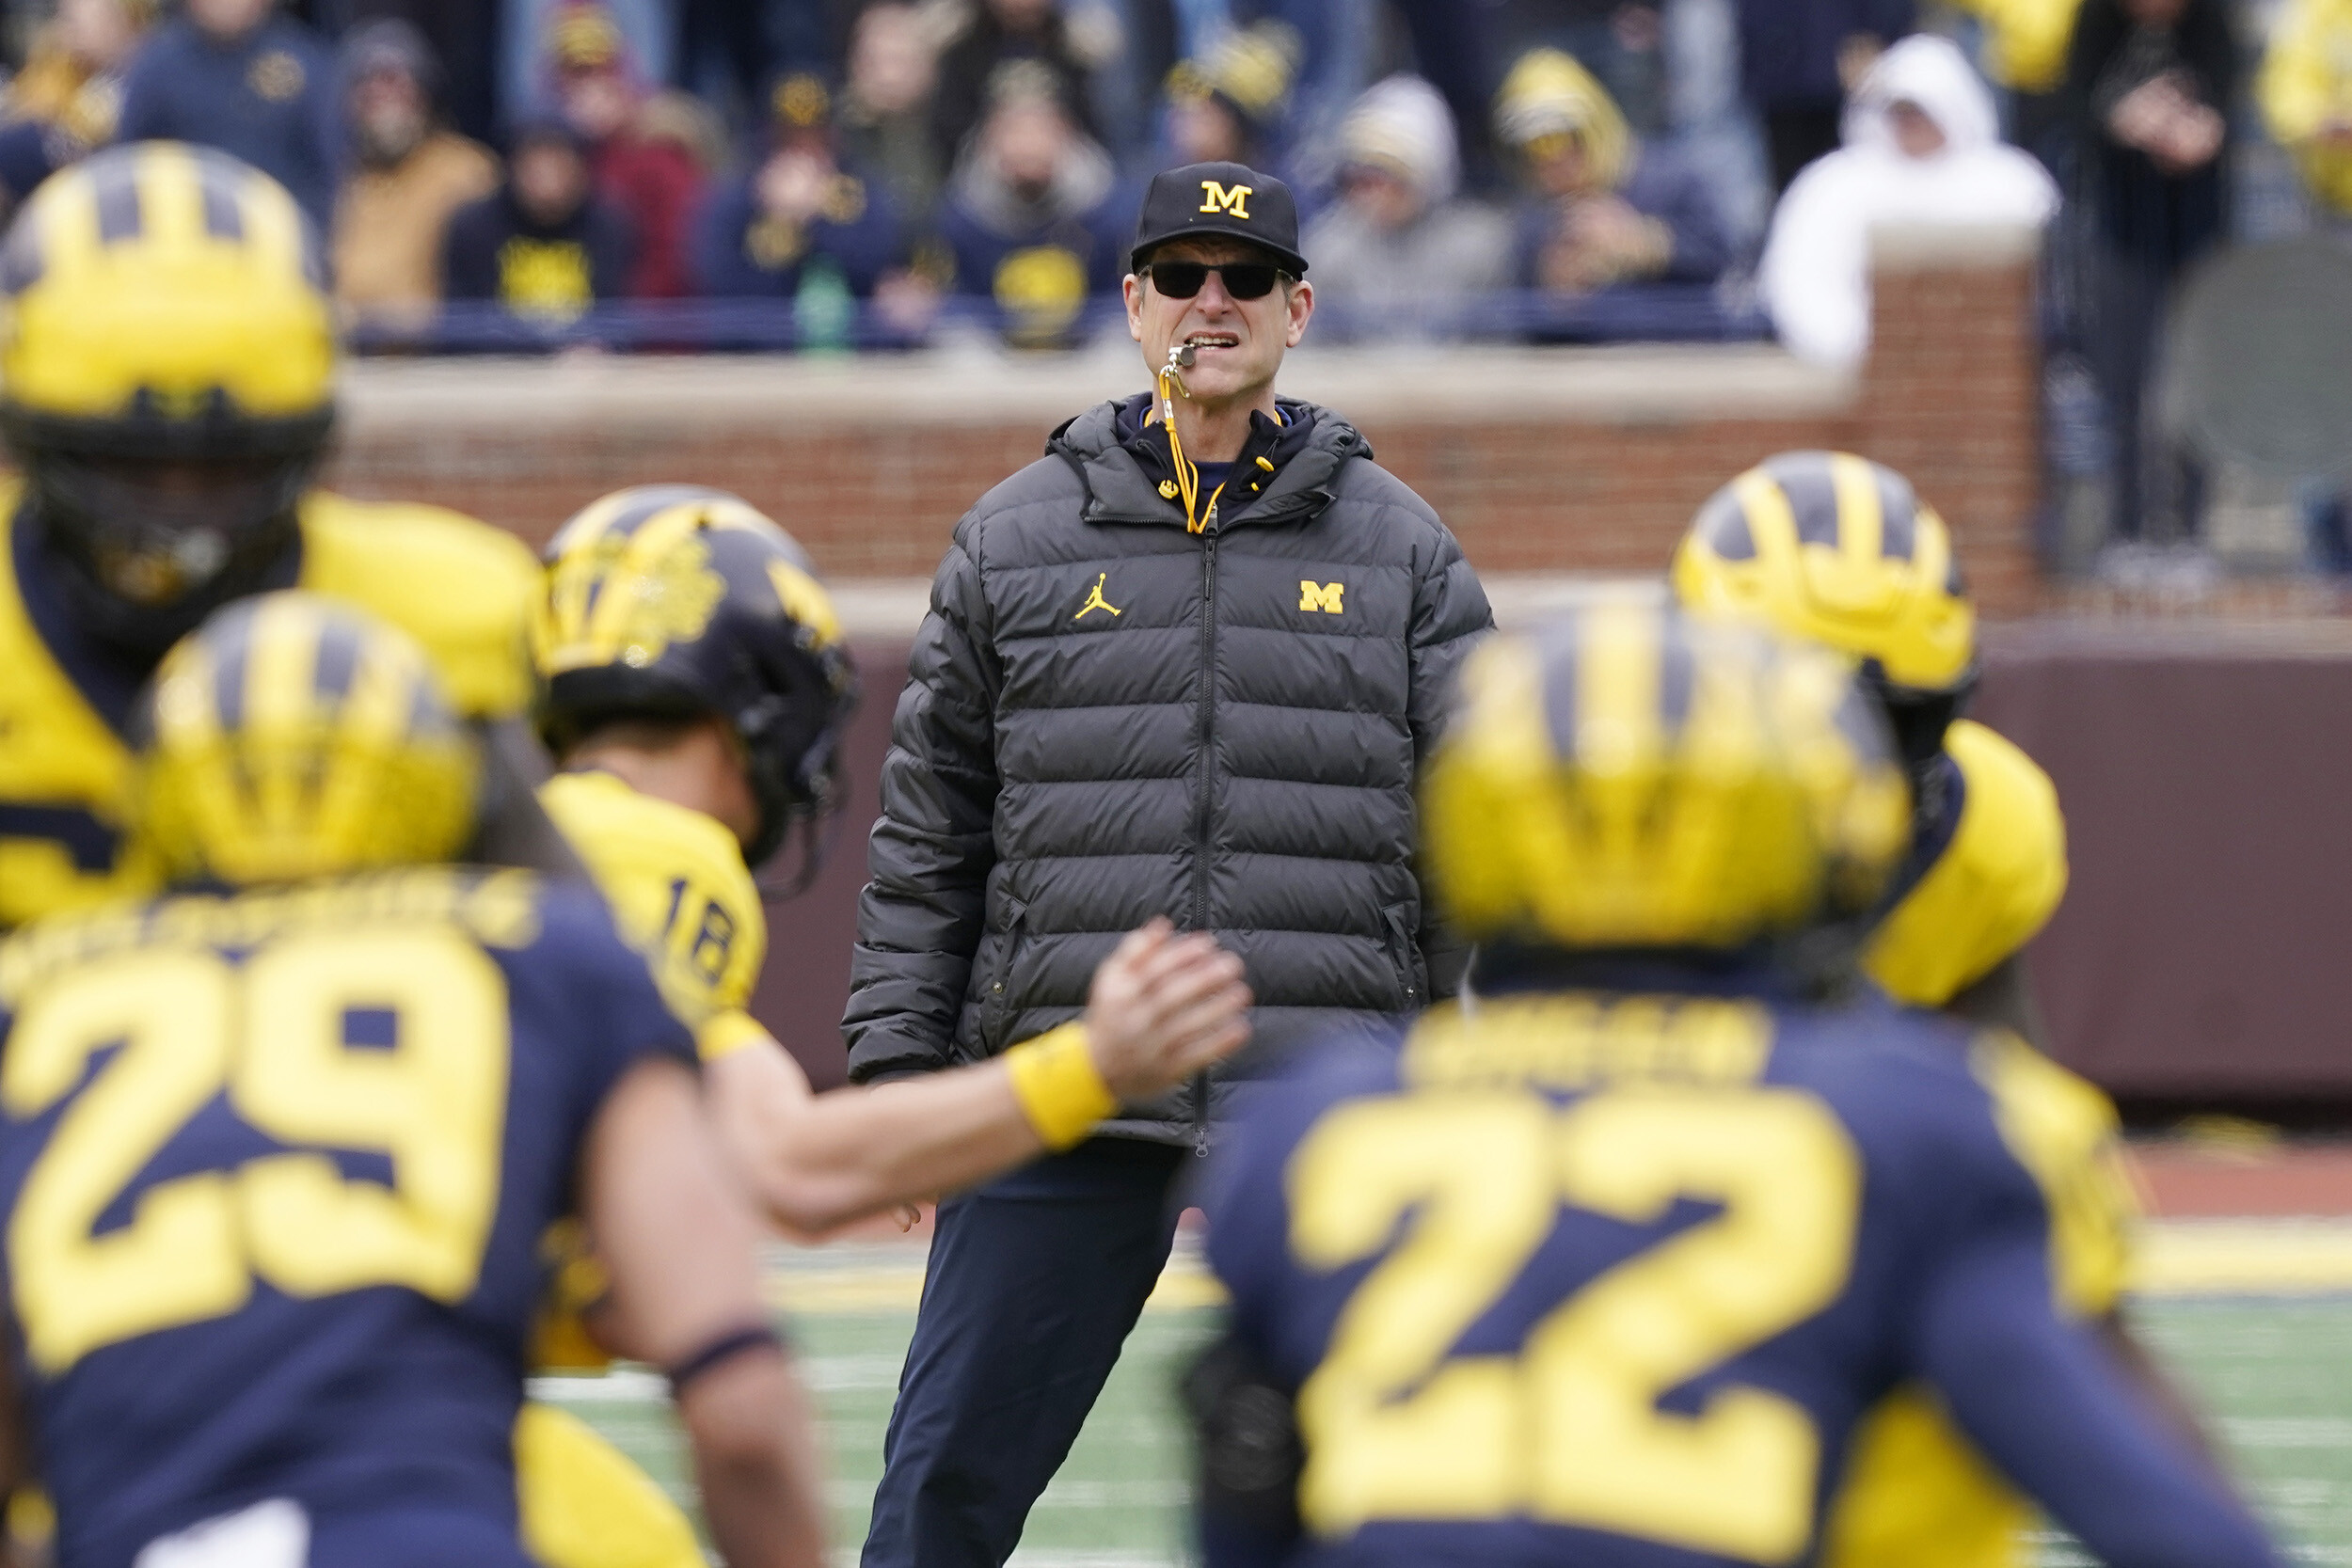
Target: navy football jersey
(276, 1169)
(1606, 1279)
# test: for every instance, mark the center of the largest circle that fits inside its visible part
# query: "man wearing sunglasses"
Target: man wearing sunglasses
(1186, 665)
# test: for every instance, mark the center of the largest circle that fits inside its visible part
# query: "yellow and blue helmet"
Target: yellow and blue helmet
(1629, 777)
(1837, 549)
(292, 737)
(675, 601)
(166, 376)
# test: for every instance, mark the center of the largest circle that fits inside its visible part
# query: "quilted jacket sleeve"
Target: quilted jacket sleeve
(1450, 615)
(920, 917)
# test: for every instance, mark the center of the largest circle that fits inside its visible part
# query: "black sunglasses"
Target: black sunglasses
(1242, 279)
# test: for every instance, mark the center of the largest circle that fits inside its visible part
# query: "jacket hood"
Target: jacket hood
(1085, 178)
(1547, 93)
(1402, 124)
(1932, 73)
(1122, 466)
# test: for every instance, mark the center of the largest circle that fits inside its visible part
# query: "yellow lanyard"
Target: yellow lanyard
(1187, 473)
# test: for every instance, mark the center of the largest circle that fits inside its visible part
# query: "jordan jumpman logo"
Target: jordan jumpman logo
(1095, 600)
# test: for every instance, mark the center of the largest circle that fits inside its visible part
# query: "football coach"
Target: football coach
(1186, 664)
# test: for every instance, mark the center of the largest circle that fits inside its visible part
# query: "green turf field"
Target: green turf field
(2274, 1373)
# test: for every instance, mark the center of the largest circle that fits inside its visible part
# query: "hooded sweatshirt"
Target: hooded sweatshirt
(1816, 272)
(1450, 250)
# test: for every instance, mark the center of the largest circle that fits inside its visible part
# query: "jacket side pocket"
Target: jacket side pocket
(1405, 960)
(997, 1002)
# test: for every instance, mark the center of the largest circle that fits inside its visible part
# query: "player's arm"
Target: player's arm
(1161, 1008)
(678, 1240)
(2157, 1386)
(2045, 1400)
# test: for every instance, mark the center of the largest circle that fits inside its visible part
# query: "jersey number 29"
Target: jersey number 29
(189, 1025)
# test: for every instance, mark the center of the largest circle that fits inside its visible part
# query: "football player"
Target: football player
(695, 688)
(275, 1153)
(1838, 549)
(167, 392)
(1606, 1269)
(1831, 548)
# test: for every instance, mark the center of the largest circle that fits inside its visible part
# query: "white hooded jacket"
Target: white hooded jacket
(1814, 275)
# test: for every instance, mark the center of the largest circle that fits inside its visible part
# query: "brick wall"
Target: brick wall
(1542, 461)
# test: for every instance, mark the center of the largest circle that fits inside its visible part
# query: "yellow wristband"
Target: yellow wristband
(1060, 1092)
(723, 1034)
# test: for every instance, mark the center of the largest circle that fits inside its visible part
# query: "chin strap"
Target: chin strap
(818, 835)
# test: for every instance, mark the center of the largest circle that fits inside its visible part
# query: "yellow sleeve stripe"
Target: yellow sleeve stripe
(2066, 1134)
(723, 1034)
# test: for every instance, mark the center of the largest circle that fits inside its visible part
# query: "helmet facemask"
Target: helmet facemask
(792, 751)
(1918, 718)
(159, 527)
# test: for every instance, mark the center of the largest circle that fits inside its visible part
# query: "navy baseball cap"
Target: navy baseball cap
(1228, 201)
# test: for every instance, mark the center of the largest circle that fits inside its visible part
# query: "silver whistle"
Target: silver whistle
(1179, 361)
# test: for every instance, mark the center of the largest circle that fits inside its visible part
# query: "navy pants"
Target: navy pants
(1035, 1281)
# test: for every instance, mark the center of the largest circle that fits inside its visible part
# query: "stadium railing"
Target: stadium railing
(1649, 313)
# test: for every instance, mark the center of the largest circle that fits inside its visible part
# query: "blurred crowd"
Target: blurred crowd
(828, 174)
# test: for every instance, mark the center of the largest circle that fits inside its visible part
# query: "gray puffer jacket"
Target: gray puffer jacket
(1109, 718)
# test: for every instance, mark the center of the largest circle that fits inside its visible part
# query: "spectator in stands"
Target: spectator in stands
(2149, 84)
(1799, 58)
(1033, 216)
(650, 33)
(1922, 147)
(648, 152)
(410, 174)
(999, 33)
(462, 37)
(69, 97)
(1620, 42)
(544, 246)
(236, 75)
(2025, 53)
(730, 53)
(1609, 208)
(885, 122)
(798, 227)
(2305, 90)
(1450, 44)
(1397, 250)
(1227, 107)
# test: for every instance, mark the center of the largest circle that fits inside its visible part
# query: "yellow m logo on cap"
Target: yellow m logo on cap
(1324, 596)
(1216, 198)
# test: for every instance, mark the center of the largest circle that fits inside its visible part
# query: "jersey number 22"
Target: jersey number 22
(1570, 1430)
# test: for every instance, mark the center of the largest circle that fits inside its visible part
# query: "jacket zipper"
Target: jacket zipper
(1202, 807)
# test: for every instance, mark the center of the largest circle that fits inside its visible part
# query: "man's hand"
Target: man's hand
(1163, 1008)
(792, 186)
(1604, 239)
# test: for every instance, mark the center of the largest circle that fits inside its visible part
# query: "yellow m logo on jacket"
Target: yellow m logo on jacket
(1218, 198)
(1324, 596)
